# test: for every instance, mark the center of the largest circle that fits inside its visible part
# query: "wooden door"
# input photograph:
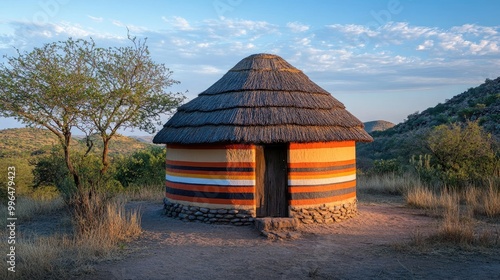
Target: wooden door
(271, 191)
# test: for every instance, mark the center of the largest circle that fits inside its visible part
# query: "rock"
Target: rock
(213, 211)
(233, 211)
(204, 210)
(219, 216)
(241, 215)
(238, 224)
(198, 213)
(182, 215)
(210, 215)
(228, 216)
(222, 211)
(191, 217)
(235, 220)
(307, 221)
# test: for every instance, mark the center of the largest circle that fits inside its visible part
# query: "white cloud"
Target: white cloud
(297, 27)
(96, 19)
(425, 45)
(179, 23)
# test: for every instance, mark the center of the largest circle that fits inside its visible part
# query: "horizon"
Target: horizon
(382, 59)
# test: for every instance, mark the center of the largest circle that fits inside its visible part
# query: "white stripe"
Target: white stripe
(202, 181)
(322, 181)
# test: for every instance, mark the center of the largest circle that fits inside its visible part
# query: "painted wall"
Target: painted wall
(216, 176)
(322, 173)
(223, 176)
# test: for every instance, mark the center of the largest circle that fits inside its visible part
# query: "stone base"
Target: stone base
(324, 214)
(210, 216)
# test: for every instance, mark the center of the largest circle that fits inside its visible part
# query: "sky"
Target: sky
(384, 59)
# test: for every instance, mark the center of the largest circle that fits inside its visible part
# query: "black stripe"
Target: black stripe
(302, 186)
(244, 196)
(202, 168)
(312, 195)
(327, 168)
(205, 185)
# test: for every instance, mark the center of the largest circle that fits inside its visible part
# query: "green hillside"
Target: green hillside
(26, 142)
(481, 104)
(20, 148)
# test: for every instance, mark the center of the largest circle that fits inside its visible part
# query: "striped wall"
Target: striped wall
(223, 176)
(215, 176)
(321, 173)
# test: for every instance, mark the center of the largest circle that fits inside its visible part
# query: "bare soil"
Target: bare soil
(373, 245)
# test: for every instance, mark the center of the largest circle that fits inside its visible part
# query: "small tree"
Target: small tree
(74, 84)
(130, 92)
(48, 87)
(462, 154)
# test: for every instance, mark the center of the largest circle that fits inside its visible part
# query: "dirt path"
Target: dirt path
(365, 247)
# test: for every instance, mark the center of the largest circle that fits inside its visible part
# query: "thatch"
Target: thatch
(262, 100)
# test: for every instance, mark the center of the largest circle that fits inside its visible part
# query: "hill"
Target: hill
(26, 142)
(405, 139)
(379, 125)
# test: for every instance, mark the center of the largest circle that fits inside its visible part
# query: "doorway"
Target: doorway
(271, 189)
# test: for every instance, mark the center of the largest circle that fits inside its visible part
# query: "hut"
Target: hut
(263, 141)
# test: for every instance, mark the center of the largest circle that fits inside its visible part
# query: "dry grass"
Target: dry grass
(491, 201)
(458, 211)
(422, 197)
(145, 193)
(387, 183)
(62, 256)
(27, 208)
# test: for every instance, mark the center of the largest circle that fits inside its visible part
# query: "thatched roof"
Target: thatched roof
(263, 99)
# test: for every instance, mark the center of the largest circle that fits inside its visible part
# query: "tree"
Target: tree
(48, 87)
(130, 92)
(462, 153)
(74, 84)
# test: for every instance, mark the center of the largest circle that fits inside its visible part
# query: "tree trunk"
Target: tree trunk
(105, 150)
(69, 164)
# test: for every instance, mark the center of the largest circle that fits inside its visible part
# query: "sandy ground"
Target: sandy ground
(369, 246)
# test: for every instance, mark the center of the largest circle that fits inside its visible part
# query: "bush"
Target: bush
(144, 167)
(461, 155)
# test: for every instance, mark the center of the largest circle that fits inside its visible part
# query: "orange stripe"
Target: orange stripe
(246, 176)
(321, 145)
(323, 174)
(210, 200)
(299, 189)
(320, 164)
(211, 164)
(322, 200)
(210, 146)
(208, 188)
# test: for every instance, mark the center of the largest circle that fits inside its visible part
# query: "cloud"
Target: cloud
(179, 23)
(96, 19)
(425, 45)
(297, 27)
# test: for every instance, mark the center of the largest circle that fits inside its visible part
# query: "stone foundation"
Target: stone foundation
(210, 216)
(324, 214)
(318, 215)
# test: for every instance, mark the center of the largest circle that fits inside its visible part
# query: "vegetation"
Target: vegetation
(480, 105)
(74, 84)
(70, 85)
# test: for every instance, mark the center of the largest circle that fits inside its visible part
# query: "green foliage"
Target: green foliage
(23, 177)
(145, 167)
(389, 166)
(462, 154)
(75, 84)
